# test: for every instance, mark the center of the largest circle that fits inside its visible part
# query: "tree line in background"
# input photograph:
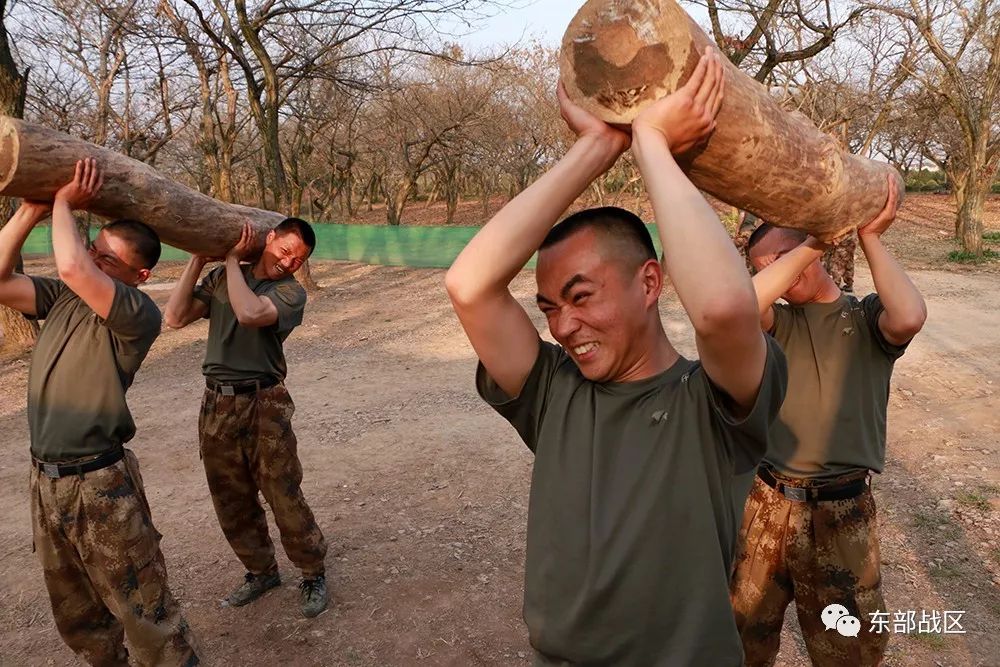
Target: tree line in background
(323, 108)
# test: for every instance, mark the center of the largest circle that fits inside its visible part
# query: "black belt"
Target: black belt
(57, 470)
(245, 387)
(804, 494)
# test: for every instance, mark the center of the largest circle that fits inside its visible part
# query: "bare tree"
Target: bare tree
(960, 81)
(760, 35)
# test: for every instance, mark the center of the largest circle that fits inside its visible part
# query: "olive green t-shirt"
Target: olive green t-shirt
(839, 367)
(236, 353)
(637, 493)
(81, 368)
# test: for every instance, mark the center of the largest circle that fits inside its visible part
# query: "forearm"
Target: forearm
(181, 299)
(12, 238)
(501, 248)
(701, 260)
(70, 252)
(774, 279)
(248, 307)
(904, 305)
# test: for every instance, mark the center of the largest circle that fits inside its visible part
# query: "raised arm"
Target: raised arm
(251, 310)
(711, 279)
(905, 311)
(75, 265)
(182, 308)
(778, 275)
(478, 282)
(17, 291)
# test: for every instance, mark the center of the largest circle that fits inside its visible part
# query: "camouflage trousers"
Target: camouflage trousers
(839, 263)
(103, 568)
(247, 445)
(817, 554)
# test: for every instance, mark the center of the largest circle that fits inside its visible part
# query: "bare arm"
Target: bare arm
(778, 275)
(251, 310)
(17, 291)
(182, 308)
(75, 265)
(710, 277)
(905, 311)
(478, 282)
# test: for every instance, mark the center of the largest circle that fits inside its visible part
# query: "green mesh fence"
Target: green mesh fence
(425, 247)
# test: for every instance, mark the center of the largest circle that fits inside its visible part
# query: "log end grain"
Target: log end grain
(9, 151)
(619, 56)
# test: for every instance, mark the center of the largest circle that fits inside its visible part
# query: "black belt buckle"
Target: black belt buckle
(796, 493)
(51, 470)
(227, 390)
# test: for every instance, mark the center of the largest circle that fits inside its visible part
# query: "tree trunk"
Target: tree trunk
(36, 161)
(970, 197)
(304, 276)
(19, 333)
(395, 201)
(619, 56)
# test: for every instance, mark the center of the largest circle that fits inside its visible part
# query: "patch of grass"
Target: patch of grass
(932, 521)
(965, 257)
(990, 489)
(991, 236)
(945, 571)
(975, 500)
(929, 639)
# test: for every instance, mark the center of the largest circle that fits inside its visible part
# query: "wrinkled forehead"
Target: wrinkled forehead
(289, 242)
(578, 254)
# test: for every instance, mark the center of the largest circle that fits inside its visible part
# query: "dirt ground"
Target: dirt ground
(422, 490)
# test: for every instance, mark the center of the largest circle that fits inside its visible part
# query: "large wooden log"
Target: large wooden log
(35, 161)
(619, 56)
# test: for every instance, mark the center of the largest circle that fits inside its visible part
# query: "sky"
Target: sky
(545, 20)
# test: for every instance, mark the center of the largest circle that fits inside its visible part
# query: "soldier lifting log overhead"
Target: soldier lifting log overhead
(245, 428)
(92, 527)
(809, 529)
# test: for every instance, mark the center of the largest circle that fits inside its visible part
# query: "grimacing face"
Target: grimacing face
(594, 310)
(773, 246)
(115, 257)
(283, 254)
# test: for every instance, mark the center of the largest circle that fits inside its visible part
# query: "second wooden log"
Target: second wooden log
(36, 161)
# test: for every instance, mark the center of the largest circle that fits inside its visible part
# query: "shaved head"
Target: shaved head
(787, 235)
(622, 237)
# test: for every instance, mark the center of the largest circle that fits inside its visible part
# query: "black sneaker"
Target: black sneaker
(253, 587)
(313, 596)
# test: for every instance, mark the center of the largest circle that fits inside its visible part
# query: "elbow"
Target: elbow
(910, 326)
(726, 313)
(459, 289)
(69, 271)
(172, 321)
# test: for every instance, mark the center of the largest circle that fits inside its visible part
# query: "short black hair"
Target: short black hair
(624, 227)
(300, 227)
(144, 241)
(765, 227)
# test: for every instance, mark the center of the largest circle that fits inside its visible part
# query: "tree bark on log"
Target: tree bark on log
(35, 161)
(618, 56)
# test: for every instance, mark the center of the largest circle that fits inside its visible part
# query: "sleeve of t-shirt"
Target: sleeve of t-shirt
(782, 318)
(750, 431)
(206, 288)
(47, 290)
(133, 316)
(872, 308)
(289, 299)
(525, 413)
